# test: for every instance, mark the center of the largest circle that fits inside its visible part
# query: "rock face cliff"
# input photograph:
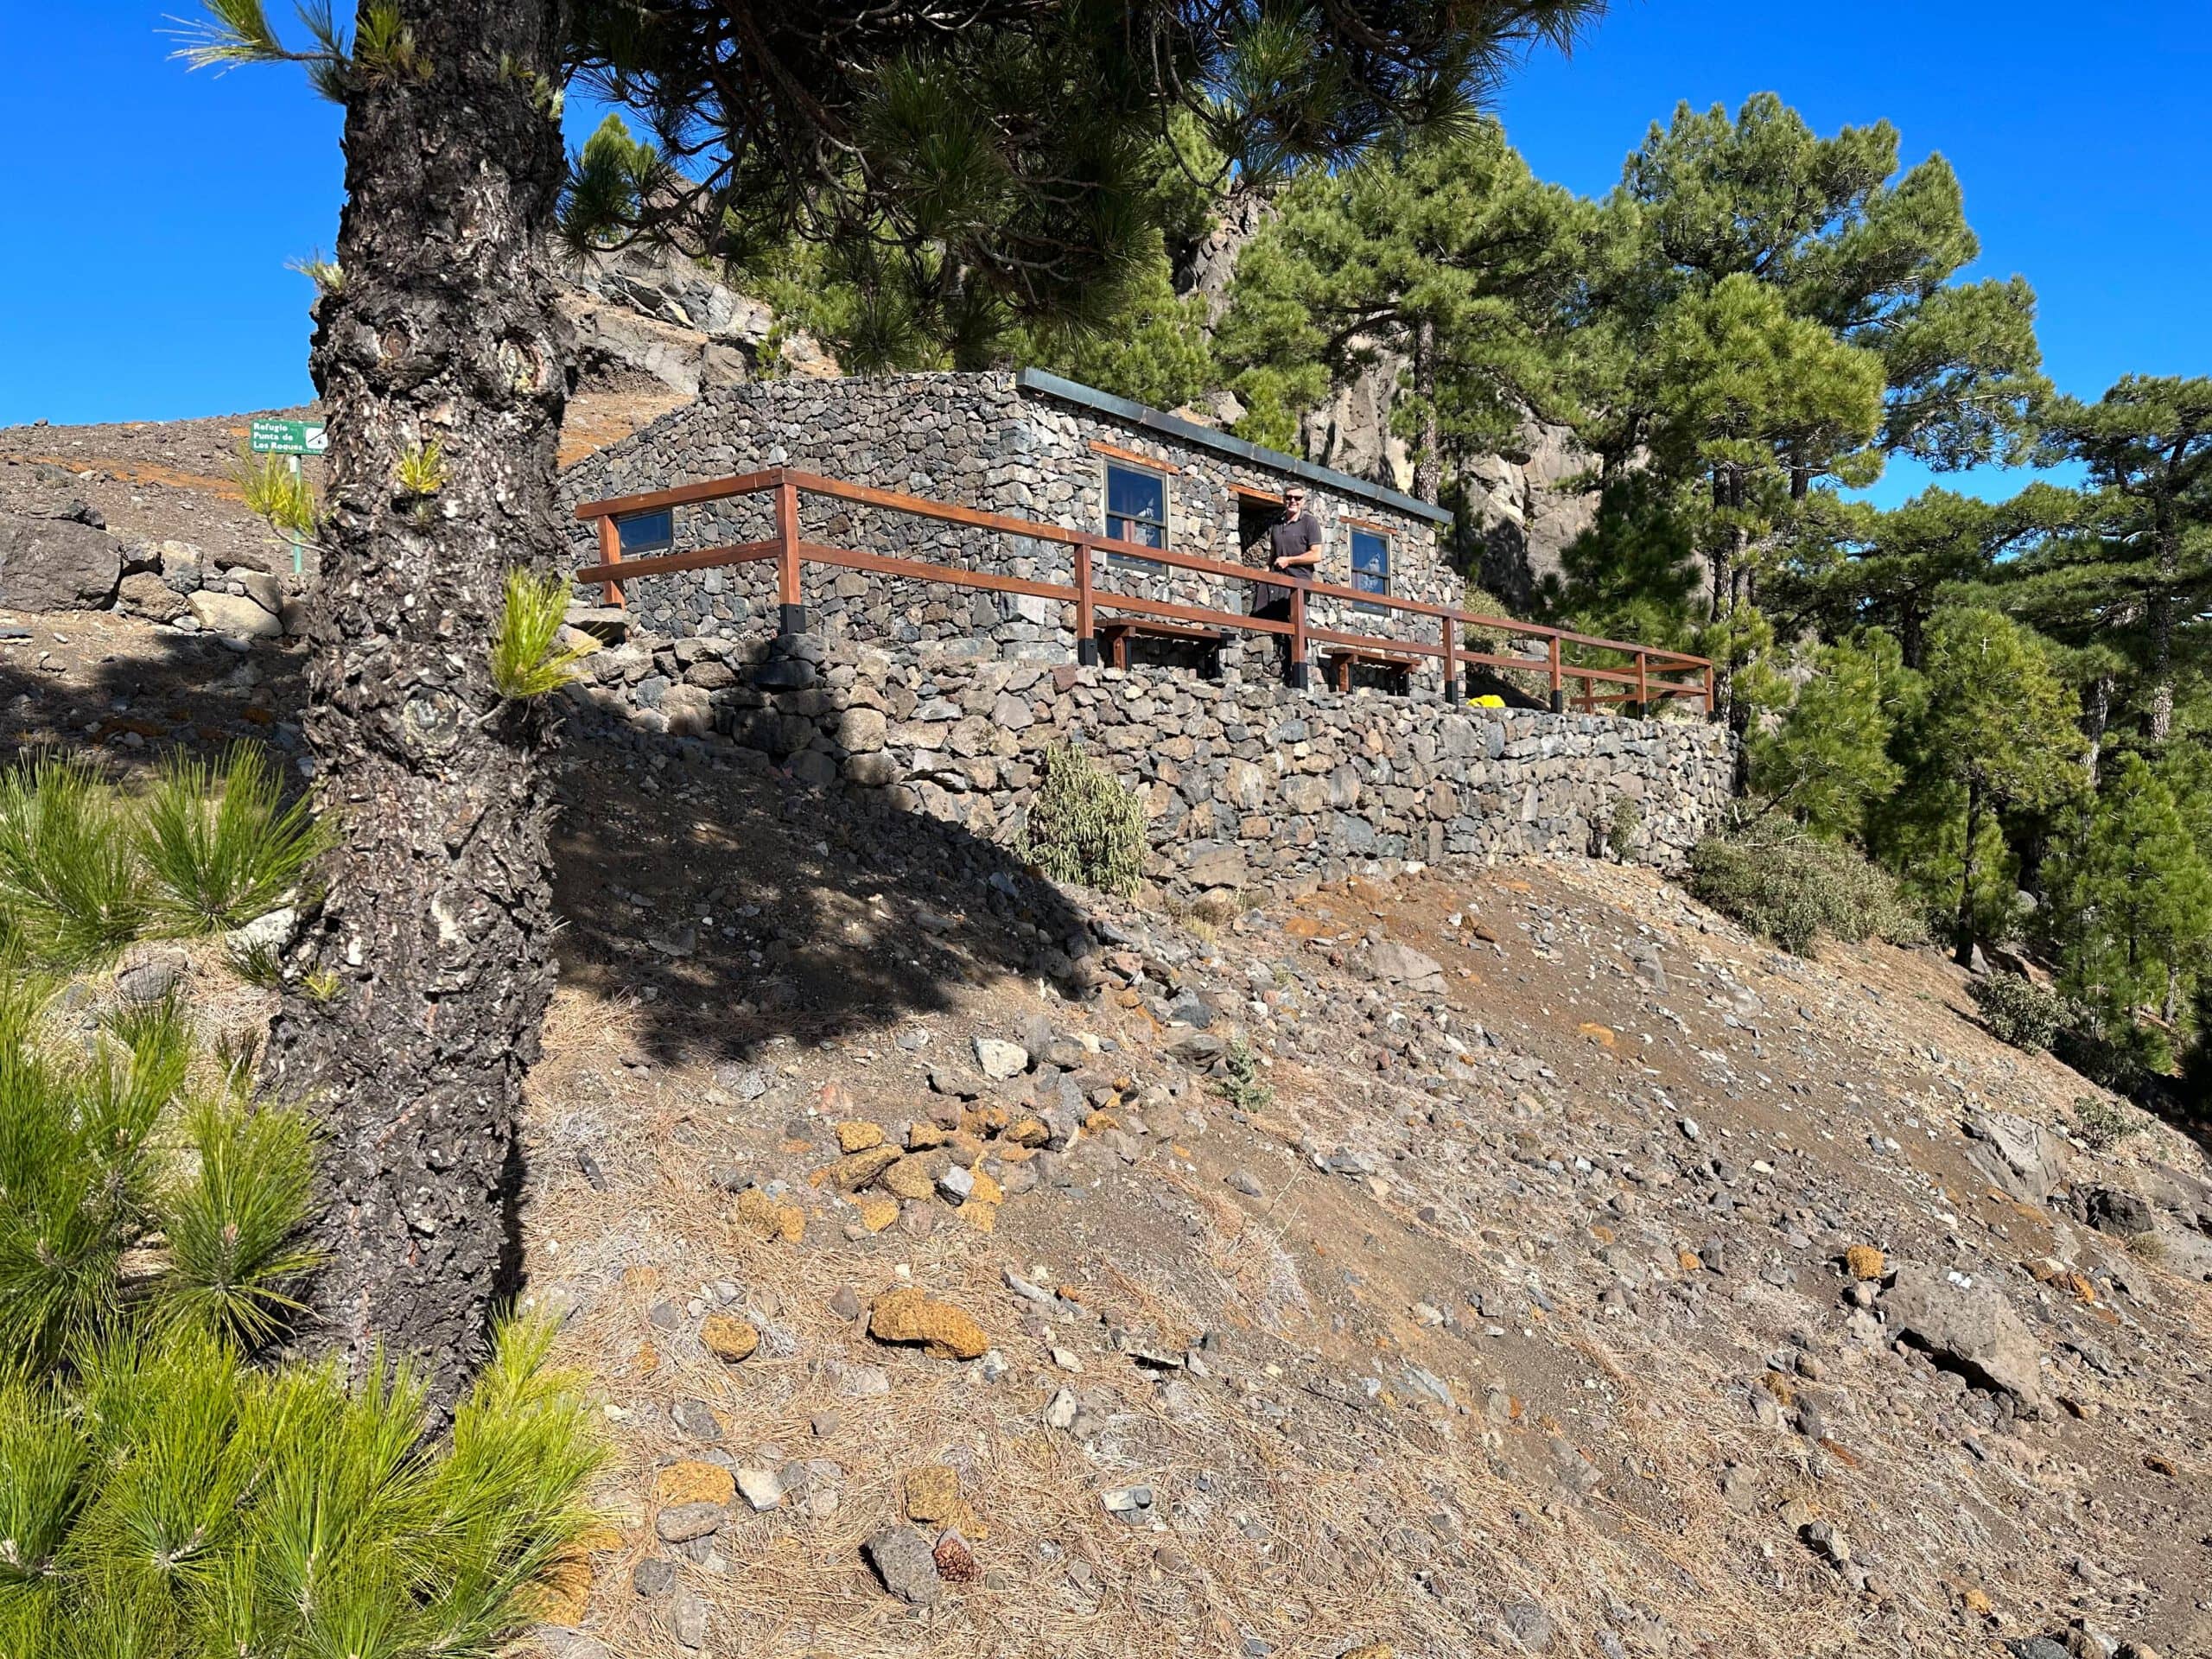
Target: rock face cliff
(651, 316)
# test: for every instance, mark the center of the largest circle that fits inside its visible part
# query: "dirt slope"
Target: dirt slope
(1456, 1262)
(1505, 1309)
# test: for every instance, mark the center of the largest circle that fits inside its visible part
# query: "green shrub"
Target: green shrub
(163, 1496)
(1627, 817)
(85, 869)
(221, 844)
(72, 888)
(1795, 888)
(1085, 825)
(527, 662)
(2019, 1011)
(168, 1501)
(2103, 1124)
(1239, 1082)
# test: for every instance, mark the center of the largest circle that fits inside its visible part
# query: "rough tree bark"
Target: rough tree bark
(1428, 457)
(433, 940)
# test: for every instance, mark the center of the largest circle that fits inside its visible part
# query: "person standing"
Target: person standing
(1291, 549)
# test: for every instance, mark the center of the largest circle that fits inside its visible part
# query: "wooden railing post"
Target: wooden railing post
(1301, 672)
(791, 602)
(1451, 658)
(1558, 682)
(610, 552)
(1589, 695)
(1642, 687)
(1086, 637)
(1709, 710)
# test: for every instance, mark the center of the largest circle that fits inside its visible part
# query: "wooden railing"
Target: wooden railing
(1640, 678)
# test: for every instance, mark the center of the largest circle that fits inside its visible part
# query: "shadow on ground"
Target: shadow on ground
(721, 903)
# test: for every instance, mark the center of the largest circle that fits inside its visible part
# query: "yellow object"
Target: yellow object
(1488, 700)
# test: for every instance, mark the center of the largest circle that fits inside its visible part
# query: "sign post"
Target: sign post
(290, 439)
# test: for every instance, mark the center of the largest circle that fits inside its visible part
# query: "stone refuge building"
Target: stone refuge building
(1029, 445)
(918, 696)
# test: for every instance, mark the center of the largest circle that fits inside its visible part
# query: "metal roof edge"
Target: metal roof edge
(1205, 437)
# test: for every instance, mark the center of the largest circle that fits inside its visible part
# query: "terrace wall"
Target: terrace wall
(1244, 783)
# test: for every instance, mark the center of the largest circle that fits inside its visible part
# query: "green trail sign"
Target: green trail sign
(288, 438)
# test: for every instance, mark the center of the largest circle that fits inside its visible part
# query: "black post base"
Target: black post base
(1086, 652)
(1559, 701)
(1452, 690)
(1301, 676)
(791, 619)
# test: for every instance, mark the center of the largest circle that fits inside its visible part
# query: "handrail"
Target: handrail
(790, 552)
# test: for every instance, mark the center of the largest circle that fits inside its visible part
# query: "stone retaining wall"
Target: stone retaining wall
(1243, 783)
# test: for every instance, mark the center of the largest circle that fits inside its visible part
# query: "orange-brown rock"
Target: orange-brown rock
(943, 1330)
(1029, 1132)
(857, 1135)
(727, 1337)
(876, 1212)
(908, 1177)
(765, 1217)
(691, 1481)
(855, 1170)
(1865, 1262)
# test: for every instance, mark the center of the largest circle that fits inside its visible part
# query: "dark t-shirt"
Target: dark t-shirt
(1293, 537)
(1286, 539)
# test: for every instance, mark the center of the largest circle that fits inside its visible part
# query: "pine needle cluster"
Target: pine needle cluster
(166, 1494)
(528, 661)
(85, 869)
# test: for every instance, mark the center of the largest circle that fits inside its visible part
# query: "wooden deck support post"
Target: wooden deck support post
(1086, 618)
(791, 600)
(1558, 681)
(1452, 660)
(610, 552)
(1642, 687)
(1301, 671)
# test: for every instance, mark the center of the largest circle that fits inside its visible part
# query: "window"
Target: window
(647, 534)
(1136, 505)
(1255, 516)
(1371, 563)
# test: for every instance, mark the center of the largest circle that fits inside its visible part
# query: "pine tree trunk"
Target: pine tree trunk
(2095, 719)
(435, 939)
(1962, 926)
(1428, 463)
(2161, 625)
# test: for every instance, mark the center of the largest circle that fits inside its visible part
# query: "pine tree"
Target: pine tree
(1769, 311)
(991, 156)
(1998, 731)
(2133, 895)
(1829, 758)
(1447, 255)
(2147, 445)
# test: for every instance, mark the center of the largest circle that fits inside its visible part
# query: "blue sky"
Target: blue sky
(150, 211)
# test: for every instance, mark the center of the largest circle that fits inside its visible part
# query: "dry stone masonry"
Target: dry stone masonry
(1244, 783)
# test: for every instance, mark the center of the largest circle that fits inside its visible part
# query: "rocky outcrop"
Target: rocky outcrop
(653, 314)
(1525, 508)
(57, 556)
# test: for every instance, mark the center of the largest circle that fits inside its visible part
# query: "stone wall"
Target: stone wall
(1243, 783)
(973, 440)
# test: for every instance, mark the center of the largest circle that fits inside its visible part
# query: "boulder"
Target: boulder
(233, 615)
(1401, 964)
(146, 595)
(2021, 1156)
(1973, 1331)
(57, 565)
(943, 1330)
